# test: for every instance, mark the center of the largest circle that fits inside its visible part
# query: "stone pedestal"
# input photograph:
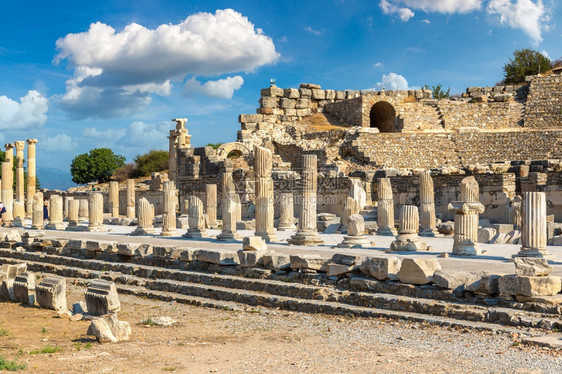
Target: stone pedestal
(533, 230)
(95, 214)
(428, 222)
(229, 209)
(409, 223)
(101, 298)
(466, 219)
(55, 213)
(307, 233)
(211, 205)
(114, 199)
(196, 220)
(169, 214)
(37, 221)
(264, 194)
(145, 212)
(355, 237)
(286, 212)
(51, 293)
(19, 214)
(131, 198)
(31, 175)
(385, 209)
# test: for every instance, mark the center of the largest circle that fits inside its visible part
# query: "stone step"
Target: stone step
(256, 292)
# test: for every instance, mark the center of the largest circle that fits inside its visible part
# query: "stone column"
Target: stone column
(169, 210)
(73, 207)
(95, 212)
(385, 210)
(114, 199)
(67, 200)
(7, 192)
(515, 215)
(355, 237)
(350, 207)
(533, 230)
(131, 198)
(409, 224)
(358, 193)
(37, 215)
(172, 156)
(286, 210)
(307, 233)
(264, 194)
(428, 222)
(211, 205)
(83, 211)
(229, 209)
(18, 213)
(466, 219)
(196, 220)
(145, 213)
(55, 213)
(20, 191)
(31, 175)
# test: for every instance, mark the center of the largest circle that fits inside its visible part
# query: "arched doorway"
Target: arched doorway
(383, 117)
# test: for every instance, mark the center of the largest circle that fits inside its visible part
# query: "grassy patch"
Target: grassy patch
(46, 349)
(148, 321)
(10, 365)
(3, 332)
(43, 330)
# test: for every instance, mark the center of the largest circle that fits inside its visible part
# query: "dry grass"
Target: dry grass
(318, 122)
(410, 99)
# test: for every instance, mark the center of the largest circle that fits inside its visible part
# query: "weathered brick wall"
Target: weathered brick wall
(494, 115)
(544, 102)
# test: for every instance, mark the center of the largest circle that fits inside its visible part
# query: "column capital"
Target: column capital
(31, 141)
(20, 145)
(180, 122)
(9, 146)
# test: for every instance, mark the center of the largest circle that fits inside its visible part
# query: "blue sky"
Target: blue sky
(84, 74)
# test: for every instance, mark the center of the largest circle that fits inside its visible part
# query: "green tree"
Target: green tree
(437, 91)
(214, 145)
(150, 162)
(525, 62)
(97, 165)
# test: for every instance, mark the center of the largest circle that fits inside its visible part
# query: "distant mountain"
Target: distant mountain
(55, 179)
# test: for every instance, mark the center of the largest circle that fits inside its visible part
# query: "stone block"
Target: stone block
(101, 298)
(529, 286)
(13, 236)
(305, 92)
(75, 244)
(318, 94)
(418, 270)
(7, 289)
(134, 249)
(486, 234)
(483, 284)
(252, 258)
(269, 102)
(342, 259)
(59, 242)
(13, 271)
(108, 329)
(24, 288)
(303, 103)
(246, 225)
(503, 228)
(288, 103)
(337, 270)
(272, 91)
(312, 262)
(291, 93)
(451, 279)
(381, 268)
(187, 254)
(276, 262)
(218, 258)
(499, 238)
(254, 243)
(166, 251)
(255, 118)
(100, 246)
(532, 267)
(446, 228)
(51, 293)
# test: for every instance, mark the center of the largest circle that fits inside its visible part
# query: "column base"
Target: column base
(76, 228)
(169, 233)
(408, 242)
(355, 242)
(286, 227)
(467, 249)
(36, 227)
(54, 226)
(98, 228)
(229, 236)
(17, 222)
(308, 237)
(195, 234)
(534, 252)
(429, 233)
(144, 231)
(268, 237)
(386, 231)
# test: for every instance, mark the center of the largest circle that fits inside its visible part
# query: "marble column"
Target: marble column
(73, 207)
(131, 198)
(31, 175)
(7, 192)
(172, 155)
(307, 233)
(286, 212)
(196, 220)
(385, 209)
(533, 230)
(145, 213)
(114, 199)
(264, 194)
(55, 213)
(350, 207)
(20, 191)
(67, 200)
(229, 209)
(95, 212)
(465, 239)
(169, 210)
(18, 213)
(37, 221)
(515, 215)
(83, 211)
(409, 224)
(355, 237)
(428, 222)
(211, 205)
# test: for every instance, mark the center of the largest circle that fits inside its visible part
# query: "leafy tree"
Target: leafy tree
(438, 91)
(150, 162)
(525, 62)
(214, 145)
(97, 165)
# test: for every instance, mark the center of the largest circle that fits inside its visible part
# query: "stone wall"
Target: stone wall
(544, 102)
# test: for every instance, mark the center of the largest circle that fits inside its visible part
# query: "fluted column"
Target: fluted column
(20, 191)
(428, 222)
(37, 221)
(385, 209)
(515, 215)
(67, 200)
(169, 210)
(130, 198)
(307, 233)
(196, 220)
(73, 206)
(264, 194)
(172, 154)
(83, 211)
(533, 230)
(408, 226)
(211, 204)
(114, 199)
(55, 213)
(350, 207)
(229, 209)
(145, 213)
(31, 175)
(7, 192)
(95, 214)
(470, 191)
(286, 212)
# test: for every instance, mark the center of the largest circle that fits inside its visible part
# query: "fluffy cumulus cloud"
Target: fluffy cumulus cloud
(137, 134)
(389, 8)
(117, 71)
(29, 112)
(108, 135)
(392, 81)
(222, 88)
(521, 14)
(59, 143)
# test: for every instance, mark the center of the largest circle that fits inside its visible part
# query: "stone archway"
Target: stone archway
(383, 117)
(232, 150)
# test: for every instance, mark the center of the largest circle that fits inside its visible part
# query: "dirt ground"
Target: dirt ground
(269, 341)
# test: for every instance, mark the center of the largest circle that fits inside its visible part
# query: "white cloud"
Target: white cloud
(523, 14)
(392, 81)
(27, 114)
(426, 21)
(314, 32)
(109, 135)
(117, 71)
(545, 54)
(59, 143)
(222, 88)
(142, 134)
(443, 6)
(378, 65)
(388, 8)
